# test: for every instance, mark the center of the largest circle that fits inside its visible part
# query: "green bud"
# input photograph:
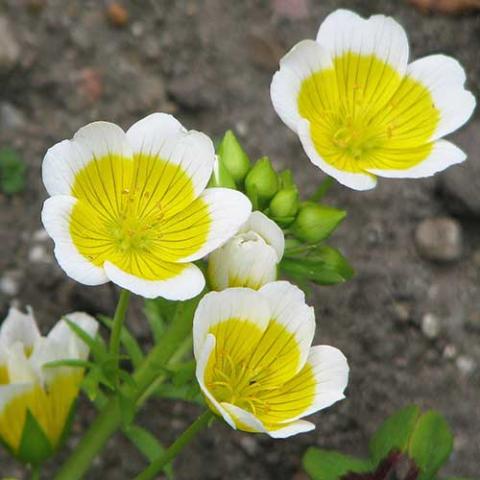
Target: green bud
(261, 183)
(286, 179)
(234, 157)
(284, 203)
(221, 176)
(316, 222)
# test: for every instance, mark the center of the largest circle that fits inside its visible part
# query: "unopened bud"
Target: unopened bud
(316, 222)
(261, 183)
(234, 157)
(285, 203)
(221, 176)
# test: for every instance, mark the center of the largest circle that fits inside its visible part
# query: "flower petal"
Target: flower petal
(249, 311)
(343, 31)
(161, 135)
(180, 282)
(445, 78)
(442, 155)
(204, 226)
(294, 428)
(302, 61)
(244, 420)
(284, 345)
(63, 334)
(244, 261)
(330, 369)
(357, 181)
(203, 358)
(318, 385)
(65, 159)
(56, 218)
(268, 230)
(19, 327)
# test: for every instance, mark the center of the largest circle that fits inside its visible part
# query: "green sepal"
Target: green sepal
(12, 171)
(315, 222)
(233, 157)
(35, 447)
(394, 433)
(286, 179)
(431, 444)
(325, 465)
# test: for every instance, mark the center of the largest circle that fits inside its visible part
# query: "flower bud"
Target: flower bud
(261, 183)
(316, 222)
(221, 176)
(285, 203)
(250, 258)
(234, 157)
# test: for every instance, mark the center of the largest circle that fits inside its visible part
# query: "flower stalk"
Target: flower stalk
(109, 420)
(183, 440)
(118, 321)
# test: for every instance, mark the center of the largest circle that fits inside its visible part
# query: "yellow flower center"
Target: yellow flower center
(364, 114)
(257, 371)
(139, 214)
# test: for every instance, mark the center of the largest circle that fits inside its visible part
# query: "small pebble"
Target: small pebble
(40, 235)
(466, 365)
(39, 254)
(431, 325)
(10, 283)
(439, 239)
(249, 444)
(117, 14)
(450, 352)
(9, 48)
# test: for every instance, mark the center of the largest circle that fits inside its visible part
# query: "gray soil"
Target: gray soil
(410, 327)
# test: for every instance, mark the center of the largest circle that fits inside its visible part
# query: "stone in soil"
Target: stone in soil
(9, 48)
(431, 326)
(439, 239)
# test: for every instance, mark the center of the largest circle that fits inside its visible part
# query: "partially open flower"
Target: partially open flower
(361, 110)
(250, 258)
(132, 207)
(36, 401)
(255, 363)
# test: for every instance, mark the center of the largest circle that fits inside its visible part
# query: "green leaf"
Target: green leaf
(35, 447)
(159, 313)
(325, 465)
(12, 171)
(73, 362)
(431, 444)
(147, 444)
(132, 347)
(394, 433)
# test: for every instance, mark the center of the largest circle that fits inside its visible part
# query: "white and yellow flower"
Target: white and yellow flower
(250, 258)
(132, 207)
(362, 111)
(255, 363)
(29, 389)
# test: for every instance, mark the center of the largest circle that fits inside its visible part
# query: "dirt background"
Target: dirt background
(409, 326)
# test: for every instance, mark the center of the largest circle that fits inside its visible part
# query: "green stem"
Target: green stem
(109, 419)
(35, 472)
(322, 189)
(168, 455)
(117, 326)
